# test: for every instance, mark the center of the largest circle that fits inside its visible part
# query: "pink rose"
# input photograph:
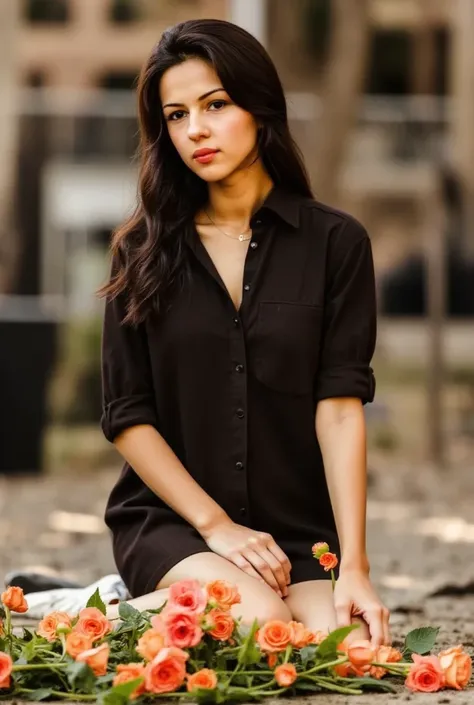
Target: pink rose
(167, 671)
(182, 629)
(187, 596)
(426, 674)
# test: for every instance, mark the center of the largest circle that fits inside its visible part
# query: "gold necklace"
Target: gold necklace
(240, 238)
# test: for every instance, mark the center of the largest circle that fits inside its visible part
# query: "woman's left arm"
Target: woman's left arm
(340, 428)
(343, 383)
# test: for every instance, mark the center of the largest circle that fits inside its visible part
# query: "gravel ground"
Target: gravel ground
(420, 534)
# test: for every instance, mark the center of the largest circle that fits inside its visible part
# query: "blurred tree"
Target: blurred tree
(9, 248)
(342, 85)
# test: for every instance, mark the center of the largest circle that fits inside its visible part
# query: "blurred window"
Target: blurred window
(119, 81)
(124, 11)
(47, 11)
(389, 72)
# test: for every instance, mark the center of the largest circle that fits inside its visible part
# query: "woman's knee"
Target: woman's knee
(258, 600)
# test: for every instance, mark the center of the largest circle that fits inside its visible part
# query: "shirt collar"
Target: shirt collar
(285, 204)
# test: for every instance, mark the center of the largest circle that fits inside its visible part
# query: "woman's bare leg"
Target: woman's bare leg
(258, 600)
(312, 603)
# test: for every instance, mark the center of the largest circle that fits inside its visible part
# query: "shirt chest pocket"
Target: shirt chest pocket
(286, 349)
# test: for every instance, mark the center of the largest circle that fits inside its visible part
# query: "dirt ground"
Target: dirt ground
(420, 537)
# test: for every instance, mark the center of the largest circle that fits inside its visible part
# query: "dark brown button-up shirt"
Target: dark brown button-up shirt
(234, 393)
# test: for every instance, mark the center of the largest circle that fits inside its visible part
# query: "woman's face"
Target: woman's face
(213, 136)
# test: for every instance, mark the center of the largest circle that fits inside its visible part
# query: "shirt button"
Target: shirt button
(258, 222)
(247, 287)
(236, 321)
(239, 466)
(240, 413)
(239, 368)
(254, 245)
(243, 511)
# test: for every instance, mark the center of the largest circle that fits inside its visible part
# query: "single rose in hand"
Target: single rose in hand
(328, 561)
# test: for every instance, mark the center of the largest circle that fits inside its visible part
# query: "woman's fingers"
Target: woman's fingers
(282, 558)
(263, 568)
(241, 562)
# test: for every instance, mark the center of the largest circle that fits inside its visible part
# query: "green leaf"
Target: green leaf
(95, 600)
(327, 649)
(249, 652)
(126, 689)
(128, 613)
(307, 653)
(421, 641)
(81, 676)
(307, 685)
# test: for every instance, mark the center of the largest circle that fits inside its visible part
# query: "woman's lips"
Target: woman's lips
(205, 156)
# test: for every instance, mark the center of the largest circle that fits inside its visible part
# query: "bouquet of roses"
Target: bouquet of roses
(193, 647)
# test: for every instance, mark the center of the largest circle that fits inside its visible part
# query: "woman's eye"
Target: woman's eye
(219, 103)
(176, 115)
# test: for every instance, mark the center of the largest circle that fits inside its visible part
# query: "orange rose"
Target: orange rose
(205, 678)
(361, 653)
(274, 636)
(426, 674)
(129, 672)
(76, 643)
(285, 675)
(6, 665)
(167, 671)
(150, 644)
(319, 637)
(223, 624)
(319, 548)
(97, 659)
(93, 623)
(48, 626)
(457, 667)
(272, 660)
(299, 635)
(223, 594)
(384, 654)
(328, 561)
(14, 599)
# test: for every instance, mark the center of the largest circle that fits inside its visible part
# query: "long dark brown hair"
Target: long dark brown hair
(149, 249)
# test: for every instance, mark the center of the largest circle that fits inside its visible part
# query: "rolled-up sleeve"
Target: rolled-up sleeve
(350, 317)
(127, 387)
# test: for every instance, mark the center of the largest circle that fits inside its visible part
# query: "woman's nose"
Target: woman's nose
(197, 128)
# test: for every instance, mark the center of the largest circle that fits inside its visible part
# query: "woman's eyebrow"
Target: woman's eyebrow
(205, 95)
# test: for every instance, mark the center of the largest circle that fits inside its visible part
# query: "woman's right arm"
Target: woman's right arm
(130, 421)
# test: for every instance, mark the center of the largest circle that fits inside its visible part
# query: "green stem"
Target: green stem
(329, 685)
(249, 673)
(8, 629)
(333, 580)
(37, 666)
(288, 652)
(66, 696)
(325, 666)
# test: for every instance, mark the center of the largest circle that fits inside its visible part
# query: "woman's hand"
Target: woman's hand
(254, 552)
(354, 595)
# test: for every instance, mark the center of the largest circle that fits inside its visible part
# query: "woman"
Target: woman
(239, 328)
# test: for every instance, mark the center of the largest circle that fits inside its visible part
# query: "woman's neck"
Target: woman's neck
(235, 202)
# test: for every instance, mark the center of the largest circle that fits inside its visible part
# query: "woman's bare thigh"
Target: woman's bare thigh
(312, 603)
(258, 600)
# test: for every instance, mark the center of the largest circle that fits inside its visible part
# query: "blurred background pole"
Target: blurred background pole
(9, 246)
(462, 114)
(252, 16)
(436, 256)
